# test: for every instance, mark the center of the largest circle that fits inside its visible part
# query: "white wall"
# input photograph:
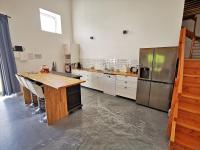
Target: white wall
(25, 30)
(151, 23)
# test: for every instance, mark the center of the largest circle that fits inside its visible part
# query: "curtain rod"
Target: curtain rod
(5, 15)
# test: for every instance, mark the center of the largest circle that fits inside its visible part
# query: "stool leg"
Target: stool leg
(44, 118)
(32, 101)
(38, 110)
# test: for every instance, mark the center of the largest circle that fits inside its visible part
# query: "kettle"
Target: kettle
(134, 69)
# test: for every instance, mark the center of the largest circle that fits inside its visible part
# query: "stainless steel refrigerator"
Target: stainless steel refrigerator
(156, 77)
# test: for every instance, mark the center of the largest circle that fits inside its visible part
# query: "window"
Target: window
(50, 22)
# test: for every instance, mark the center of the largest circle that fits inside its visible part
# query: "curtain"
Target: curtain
(7, 61)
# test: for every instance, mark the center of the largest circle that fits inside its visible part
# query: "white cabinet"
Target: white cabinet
(109, 84)
(85, 75)
(96, 81)
(93, 80)
(126, 86)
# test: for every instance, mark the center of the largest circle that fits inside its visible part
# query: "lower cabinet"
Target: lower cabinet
(124, 86)
(85, 75)
(93, 79)
(96, 81)
(109, 84)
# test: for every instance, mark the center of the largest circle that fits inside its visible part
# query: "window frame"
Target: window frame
(56, 17)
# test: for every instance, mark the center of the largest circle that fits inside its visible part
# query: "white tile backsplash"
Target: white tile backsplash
(110, 64)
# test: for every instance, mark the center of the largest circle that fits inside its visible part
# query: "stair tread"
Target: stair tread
(191, 75)
(192, 64)
(186, 142)
(192, 85)
(192, 60)
(191, 70)
(188, 125)
(191, 96)
(181, 146)
(193, 108)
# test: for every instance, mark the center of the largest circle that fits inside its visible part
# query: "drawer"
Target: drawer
(109, 84)
(126, 83)
(128, 92)
(127, 78)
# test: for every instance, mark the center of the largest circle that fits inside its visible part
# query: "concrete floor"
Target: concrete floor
(105, 123)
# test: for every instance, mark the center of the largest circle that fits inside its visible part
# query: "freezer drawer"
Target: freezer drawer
(143, 89)
(164, 64)
(160, 96)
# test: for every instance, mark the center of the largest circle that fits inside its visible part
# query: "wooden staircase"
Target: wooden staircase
(187, 132)
(184, 119)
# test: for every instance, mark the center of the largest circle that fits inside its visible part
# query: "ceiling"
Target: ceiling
(192, 7)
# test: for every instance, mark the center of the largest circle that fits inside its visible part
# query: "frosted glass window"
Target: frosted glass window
(50, 22)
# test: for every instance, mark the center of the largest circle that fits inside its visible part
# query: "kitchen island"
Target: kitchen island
(73, 92)
(56, 90)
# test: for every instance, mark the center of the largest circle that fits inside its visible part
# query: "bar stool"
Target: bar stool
(40, 95)
(31, 93)
(19, 80)
(38, 91)
(33, 90)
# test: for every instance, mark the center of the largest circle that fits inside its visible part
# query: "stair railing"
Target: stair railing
(173, 114)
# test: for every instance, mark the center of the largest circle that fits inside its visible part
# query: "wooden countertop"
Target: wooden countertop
(52, 80)
(111, 72)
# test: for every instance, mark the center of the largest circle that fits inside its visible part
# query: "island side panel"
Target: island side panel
(56, 104)
(74, 98)
(27, 96)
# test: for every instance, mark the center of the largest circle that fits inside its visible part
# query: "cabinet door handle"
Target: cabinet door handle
(125, 81)
(125, 87)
